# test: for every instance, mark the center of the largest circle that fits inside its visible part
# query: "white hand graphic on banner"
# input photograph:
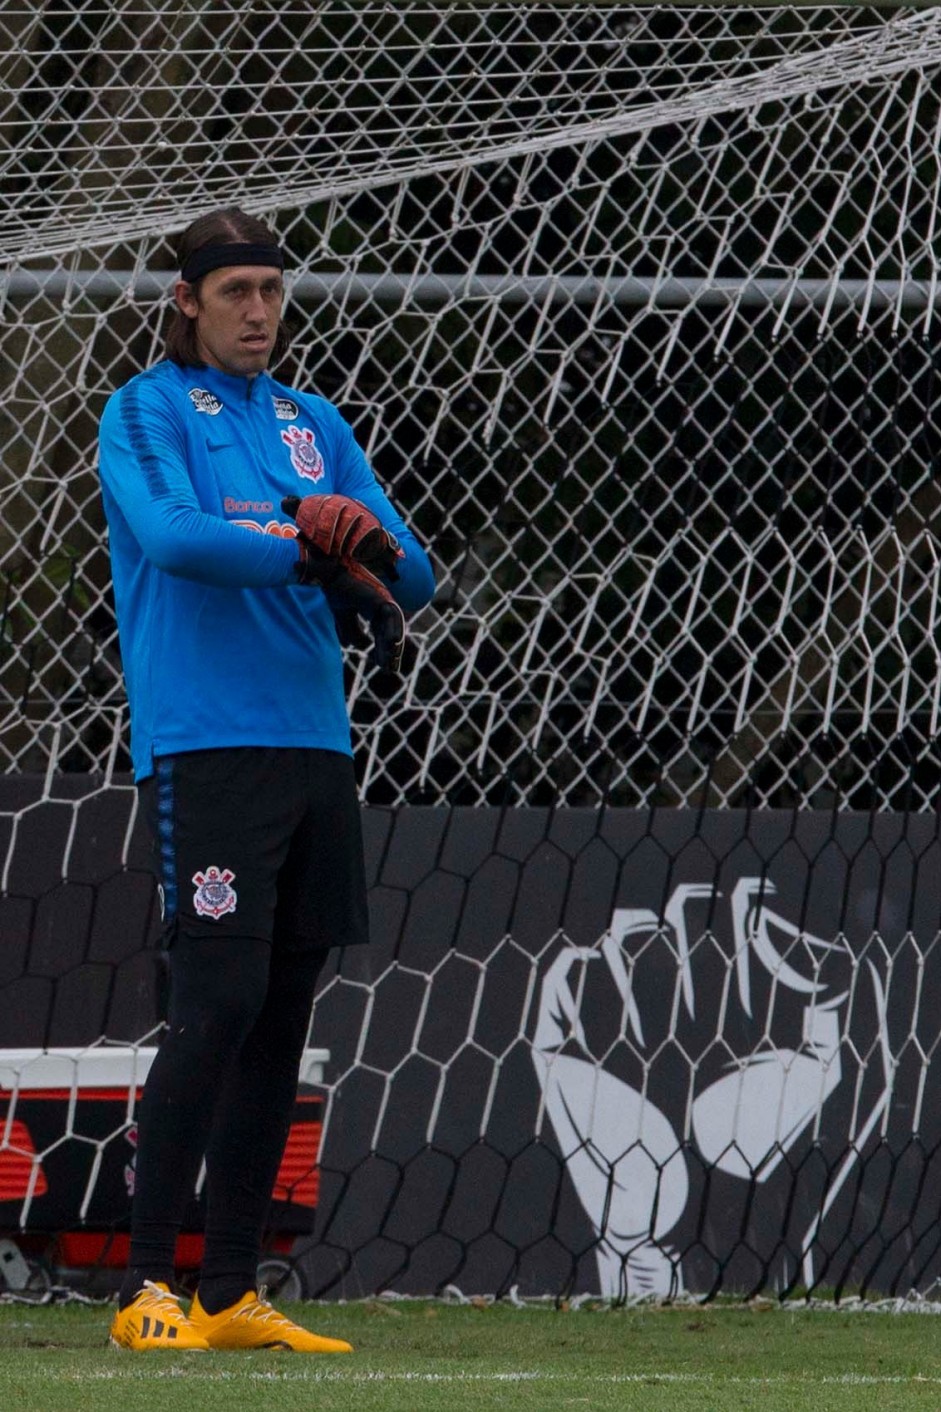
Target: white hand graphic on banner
(623, 1153)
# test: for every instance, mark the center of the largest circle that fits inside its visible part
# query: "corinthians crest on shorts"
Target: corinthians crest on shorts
(305, 458)
(214, 896)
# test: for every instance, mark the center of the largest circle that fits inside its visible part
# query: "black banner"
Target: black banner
(609, 1052)
(637, 1052)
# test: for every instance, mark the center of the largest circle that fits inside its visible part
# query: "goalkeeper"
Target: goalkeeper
(249, 541)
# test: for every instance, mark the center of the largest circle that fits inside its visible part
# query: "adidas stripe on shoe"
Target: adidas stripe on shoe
(154, 1319)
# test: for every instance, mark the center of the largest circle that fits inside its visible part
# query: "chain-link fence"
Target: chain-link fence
(633, 310)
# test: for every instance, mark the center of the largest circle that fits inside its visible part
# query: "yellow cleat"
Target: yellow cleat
(155, 1320)
(252, 1323)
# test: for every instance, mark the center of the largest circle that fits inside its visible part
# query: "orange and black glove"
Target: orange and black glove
(341, 546)
(344, 529)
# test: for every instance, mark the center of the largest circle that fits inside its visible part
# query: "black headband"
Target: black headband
(216, 257)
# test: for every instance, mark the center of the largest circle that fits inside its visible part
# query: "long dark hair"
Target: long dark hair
(231, 224)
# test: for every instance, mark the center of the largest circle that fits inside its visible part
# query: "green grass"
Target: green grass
(415, 1357)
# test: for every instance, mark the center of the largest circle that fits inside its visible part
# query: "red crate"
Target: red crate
(67, 1153)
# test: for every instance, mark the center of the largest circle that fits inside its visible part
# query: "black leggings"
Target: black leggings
(223, 1085)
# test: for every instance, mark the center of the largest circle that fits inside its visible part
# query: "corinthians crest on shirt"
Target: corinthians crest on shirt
(214, 895)
(305, 458)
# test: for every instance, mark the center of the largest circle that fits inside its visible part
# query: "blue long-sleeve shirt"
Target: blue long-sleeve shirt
(220, 644)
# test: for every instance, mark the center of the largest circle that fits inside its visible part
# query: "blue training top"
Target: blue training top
(220, 645)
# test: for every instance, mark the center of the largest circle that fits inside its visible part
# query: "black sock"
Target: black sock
(217, 992)
(253, 1117)
(133, 1283)
(218, 1294)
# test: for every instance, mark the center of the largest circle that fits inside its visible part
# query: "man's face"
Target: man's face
(237, 312)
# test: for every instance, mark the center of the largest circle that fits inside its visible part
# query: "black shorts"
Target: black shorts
(260, 842)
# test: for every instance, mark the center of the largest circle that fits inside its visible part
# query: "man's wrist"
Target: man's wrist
(314, 568)
(300, 564)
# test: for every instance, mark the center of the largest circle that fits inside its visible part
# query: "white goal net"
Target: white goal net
(632, 308)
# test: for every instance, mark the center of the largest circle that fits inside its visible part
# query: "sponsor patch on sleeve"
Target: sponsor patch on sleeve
(205, 401)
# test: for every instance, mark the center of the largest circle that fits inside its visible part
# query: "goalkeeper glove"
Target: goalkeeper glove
(344, 529)
(354, 592)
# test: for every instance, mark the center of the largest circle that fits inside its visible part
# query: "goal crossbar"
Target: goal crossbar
(427, 290)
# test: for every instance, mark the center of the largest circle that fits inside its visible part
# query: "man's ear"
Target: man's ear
(186, 299)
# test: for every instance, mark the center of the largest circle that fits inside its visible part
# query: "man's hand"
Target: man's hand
(355, 593)
(343, 529)
(343, 548)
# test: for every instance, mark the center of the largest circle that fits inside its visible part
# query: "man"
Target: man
(231, 615)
